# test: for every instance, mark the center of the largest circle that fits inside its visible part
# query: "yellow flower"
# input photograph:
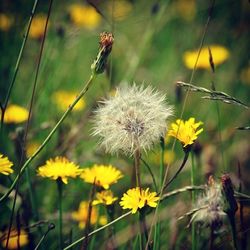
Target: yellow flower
(119, 9)
(81, 214)
(186, 9)
(15, 114)
(169, 156)
(185, 131)
(220, 54)
(135, 199)
(63, 99)
(60, 167)
(102, 175)
(37, 27)
(245, 75)
(5, 165)
(16, 239)
(84, 16)
(31, 148)
(5, 22)
(105, 197)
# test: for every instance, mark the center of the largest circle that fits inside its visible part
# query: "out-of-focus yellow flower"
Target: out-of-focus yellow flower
(186, 9)
(185, 131)
(245, 75)
(103, 220)
(63, 99)
(105, 197)
(5, 165)
(119, 9)
(84, 16)
(31, 148)
(219, 53)
(81, 214)
(60, 167)
(102, 175)
(16, 239)
(136, 198)
(169, 157)
(37, 27)
(5, 22)
(15, 114)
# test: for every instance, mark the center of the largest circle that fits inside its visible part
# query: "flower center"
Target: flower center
(134, 126)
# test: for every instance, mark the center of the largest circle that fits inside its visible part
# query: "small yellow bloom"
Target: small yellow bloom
(81, 214)
(185, 131)
(31, 148)
(119, 9)
(102, 175)
(15, 114)
(219, 53)
(245, 75)
(5, 22)
(186, 9)
(135, 199)
(5, 165)
(103, 220)
(16, 239)
(63, 99)
(105, 197)
(37, 27)
(60, 167)
(84, 16)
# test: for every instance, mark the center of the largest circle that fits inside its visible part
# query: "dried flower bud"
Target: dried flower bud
(106, 42)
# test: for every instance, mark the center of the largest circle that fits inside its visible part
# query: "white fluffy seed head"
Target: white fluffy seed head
(133, 119)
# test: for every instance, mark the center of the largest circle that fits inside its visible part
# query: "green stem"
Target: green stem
(81, 94)
(60, 190)
(162, 143)
(193, 201)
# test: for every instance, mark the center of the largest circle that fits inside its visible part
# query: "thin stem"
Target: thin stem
(137, 167)
(26, 164)
(193, 201)
(60, 222)
(162, 143)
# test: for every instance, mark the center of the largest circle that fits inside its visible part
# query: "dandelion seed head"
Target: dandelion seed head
(134, 118)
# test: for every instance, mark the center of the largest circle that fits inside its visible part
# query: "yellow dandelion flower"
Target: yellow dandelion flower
(220, 54)
(5, 165)
(102, 175)
(16, 239)
(136, 198)
(5, 22)
(169, 157)
(37, 27)
(119, 9)
(185, 131)
(84, 16)
(60, 167)
(63, 99)
(103, 220)
(105, 197)
(81, 214)
(15, 114)
(31, 148)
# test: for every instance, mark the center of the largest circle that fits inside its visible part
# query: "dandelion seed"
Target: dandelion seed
(15, 114)
(59, 168)
(102, 175)
(137, 198)
(185, 131)
(5, 165)
(16, 239)
(133, 119)
(105, 197)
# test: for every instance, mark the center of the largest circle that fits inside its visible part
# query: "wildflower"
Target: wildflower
(211, 205)
(5, 165)
(169, 157)
(17, 239)
(84, 16)
(63, 99)
(31, 148)
(60, 167)
(102, 175)
(220, 54)
(37, 27)
(185, 131)
(105, 197)
(186, 9)
(15, 114)
(119, 9)
(245, 75)
(81, 215)
(5, 22)
(137, 198)
(106, 43)
(133, 119)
